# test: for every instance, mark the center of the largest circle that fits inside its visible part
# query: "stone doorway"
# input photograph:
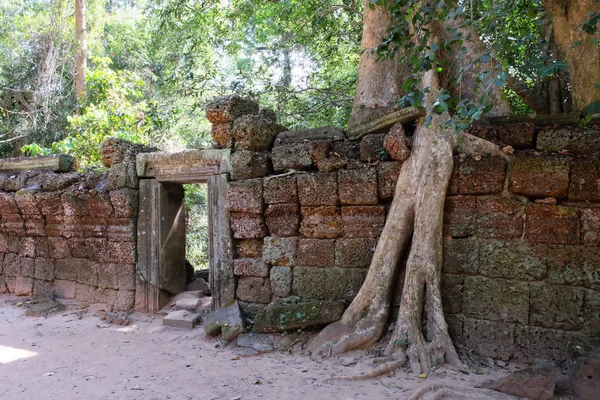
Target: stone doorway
(161, 225)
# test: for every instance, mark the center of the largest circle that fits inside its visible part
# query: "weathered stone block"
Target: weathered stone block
(56, 182)
(482, 177)
(316, 253)
(291, 156)
(290, 316)
(41, 247)
(58, 247)
(249, 164)
(460, 214)
(87, 273)
(576, 140)
(280, 190)
(250, 267)
(253, 289)
(461, 256)
(281, 281)
(387, 176)
(93, 227)
(43, 288)
(534, 343)
(65, 289)
(331, 164)
(363, 221)
(513, 260)
(371, 148)
(590, 226)
(327, 283)
(27, 247)
(8, 204)
(489, 339)
(319, 150)
(280, 251)
(452, 293)
(591, 316)
(357, 187)
(27, 267)
(228, 321)
(346, 149)
(181, 319)
(74, 203)
(320, 222)
(121, 229)
(13, 224)
(122, 252)
(245, 196)
(3, 243)
(247, 226)
(354, 253)
(125, 300)
(126, 277)
(23, 286)
(283, 219)
(86, 294)
(250, 248)
(108, 276)
(551, 224)
(251, 132)
(496, 299)
(452, 189)
(65, 226)
(557, 307)
(227, 108)
(44, 268)
(13, 243)
(543, 176)
(317, 189)
(519, 135)
(11, 265)
(585, 179)
(99, 204)
(125, 203)
(122, 175)
(35, 225)
(222, 135)
(66, 269)
(499, 218)
(26, 202)
(50, 203)
(584, 368)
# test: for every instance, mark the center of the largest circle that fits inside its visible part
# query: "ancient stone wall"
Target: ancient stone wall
(70, 234)
(521, 257)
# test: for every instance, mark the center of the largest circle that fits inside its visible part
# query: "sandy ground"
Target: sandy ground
(67, 357)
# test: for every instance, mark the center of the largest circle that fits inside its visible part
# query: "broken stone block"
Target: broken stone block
(189, 304)
(227, 320)
(181, 319)
(280, 190)
(346, 149)
(122, 175)
(332, 164)
(536, 382)
(249, 164)
(267, 113)
(396, 144)
(227, 108)
(294, 156)
(222, 135)
(540, 177)
(199, 284)
(283, 219)
(245, 196)
(288, 314)
(357, 187)
(584, 368)
(319, 150)
(251, 132)
(317, 189)
(115, 318)
(372, 149)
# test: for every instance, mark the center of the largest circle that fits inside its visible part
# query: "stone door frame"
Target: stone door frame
(211, 167)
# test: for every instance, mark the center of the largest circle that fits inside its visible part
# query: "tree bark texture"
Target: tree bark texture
(584, 58)
(81, 58)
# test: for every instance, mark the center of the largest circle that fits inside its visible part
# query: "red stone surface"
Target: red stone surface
(539, 177)
(387, 176)
(250, 267)
(320, 222)
(590, 226)
(278, 190)
(362, 221)
(585, 179)
(245, 196)
(460, 216)
(481, 177)
(254, 290)
(357, 187)
(499, 217)
(283, 219)
(317, 189)
(552, 224)
(247, 226)
(222, 135)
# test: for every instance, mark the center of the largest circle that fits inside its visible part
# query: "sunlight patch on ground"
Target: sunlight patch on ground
(127, 329)
(8, 354)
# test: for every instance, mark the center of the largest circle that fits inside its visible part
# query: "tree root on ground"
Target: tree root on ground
(440, 391)
(385, 368)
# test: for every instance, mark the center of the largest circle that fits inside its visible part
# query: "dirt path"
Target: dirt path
(64, 357)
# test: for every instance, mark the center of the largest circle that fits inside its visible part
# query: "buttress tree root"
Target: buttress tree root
(415, 216)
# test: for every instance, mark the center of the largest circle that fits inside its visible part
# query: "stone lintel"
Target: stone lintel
(322, 133)
(189, 166)
(54, 162)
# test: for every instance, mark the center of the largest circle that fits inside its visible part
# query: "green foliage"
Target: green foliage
(196, 245)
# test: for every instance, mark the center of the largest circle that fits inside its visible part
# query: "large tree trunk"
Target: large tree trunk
(416, 213)
(584, 58)
(379, 82)
(81, 59)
